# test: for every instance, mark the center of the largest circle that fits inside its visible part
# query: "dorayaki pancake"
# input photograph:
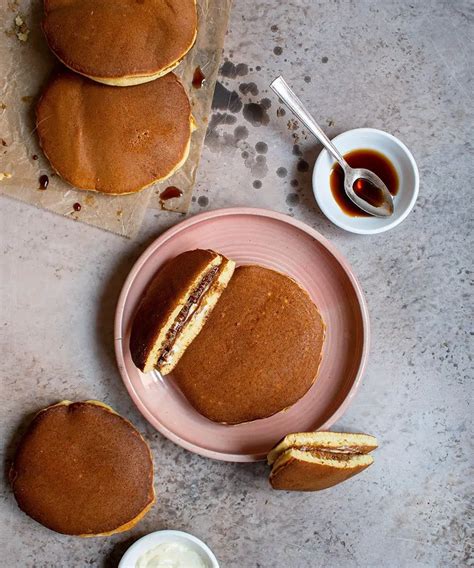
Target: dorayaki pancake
(311, 461)
(81, 469)
(259, 351)
(175, 306)
(113, 140)
(120, 42)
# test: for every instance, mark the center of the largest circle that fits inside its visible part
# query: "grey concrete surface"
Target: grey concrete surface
(403, 66)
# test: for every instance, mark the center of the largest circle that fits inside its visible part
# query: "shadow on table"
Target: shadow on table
(12, 444)
(114, 556)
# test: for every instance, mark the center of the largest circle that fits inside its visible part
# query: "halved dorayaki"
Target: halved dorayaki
(311, 461)
(176, 306)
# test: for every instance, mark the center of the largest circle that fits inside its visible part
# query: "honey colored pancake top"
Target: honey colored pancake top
(120, 41)
(259, 351)
(82, 469)
(114, 140)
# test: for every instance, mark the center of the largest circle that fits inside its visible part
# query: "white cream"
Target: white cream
(171, 555)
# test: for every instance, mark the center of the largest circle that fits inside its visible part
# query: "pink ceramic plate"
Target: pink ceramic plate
(253, 236)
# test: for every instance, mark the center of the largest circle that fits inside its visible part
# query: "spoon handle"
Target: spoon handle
(281, 88)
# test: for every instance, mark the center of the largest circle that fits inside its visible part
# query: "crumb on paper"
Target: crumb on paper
(3, 106)
(21, 29)
(330, 122)
(5, 175)
(27, 98)
(89, 200)
(4, 142)
(119, 212)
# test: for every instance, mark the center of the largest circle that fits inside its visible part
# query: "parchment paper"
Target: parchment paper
(25, 66)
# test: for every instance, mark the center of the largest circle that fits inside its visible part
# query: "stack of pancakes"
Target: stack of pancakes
(117, 120)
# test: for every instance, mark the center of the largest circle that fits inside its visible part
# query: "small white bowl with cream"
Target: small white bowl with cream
(169, 549)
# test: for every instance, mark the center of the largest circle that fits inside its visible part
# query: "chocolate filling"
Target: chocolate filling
(341, 450)
(186, 313)
(324, 455)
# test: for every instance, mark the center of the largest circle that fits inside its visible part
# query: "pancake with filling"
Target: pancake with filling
(120, 43)
(110, 140)
(259, 351)
(336, 442)
(312, 461)
(175, 307)
(81, 469)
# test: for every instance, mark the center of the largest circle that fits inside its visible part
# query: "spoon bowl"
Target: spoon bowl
(363, 185)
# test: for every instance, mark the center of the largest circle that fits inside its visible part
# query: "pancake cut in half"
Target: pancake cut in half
(114, 141)
(311, 461)
(120, 42)
(176, 306)
(81, 469)
(258, 353)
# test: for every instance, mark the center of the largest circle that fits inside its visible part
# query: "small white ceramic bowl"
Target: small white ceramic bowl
(142, 545)
(396, 152)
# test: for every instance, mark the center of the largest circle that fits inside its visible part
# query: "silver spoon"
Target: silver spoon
(379, 202)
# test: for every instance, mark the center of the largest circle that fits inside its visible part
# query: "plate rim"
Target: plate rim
(185, 224)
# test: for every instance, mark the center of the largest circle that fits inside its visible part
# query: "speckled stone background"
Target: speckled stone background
(403, 66)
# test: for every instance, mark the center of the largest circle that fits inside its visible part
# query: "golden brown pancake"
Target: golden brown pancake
(113, 140)
(311, 461)
(81, 469)
(175, 307)
(124, 42)
(259, 351)
(313, 471)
